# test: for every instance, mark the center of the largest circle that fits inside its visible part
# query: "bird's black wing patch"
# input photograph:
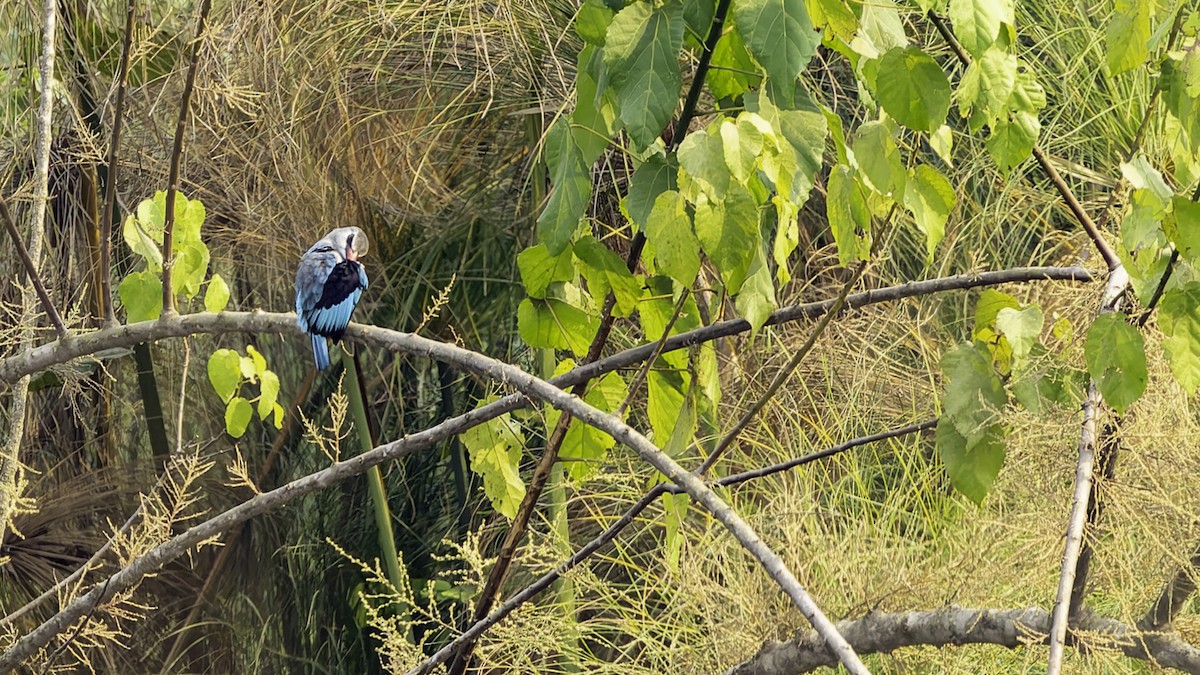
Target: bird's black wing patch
(342, 282)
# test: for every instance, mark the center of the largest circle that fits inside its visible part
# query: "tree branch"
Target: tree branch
(31, 269)
(176, 156)
(531, 387)
(10, 454)
(588, 550)
(878, 633)
(110, 186)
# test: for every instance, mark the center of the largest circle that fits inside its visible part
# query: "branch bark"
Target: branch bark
(10, 458)
(46, 356)
(878, 633)
(531, 387)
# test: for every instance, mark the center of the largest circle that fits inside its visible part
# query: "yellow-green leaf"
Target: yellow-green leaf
(216, 297)
(225, 372)
(141, 294)
(237, 416)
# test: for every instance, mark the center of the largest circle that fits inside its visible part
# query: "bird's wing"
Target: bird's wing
(314, 269)
(343, 287)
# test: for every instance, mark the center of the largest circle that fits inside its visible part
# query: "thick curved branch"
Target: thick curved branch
(881, 633)
(56, 353)
(527, 384)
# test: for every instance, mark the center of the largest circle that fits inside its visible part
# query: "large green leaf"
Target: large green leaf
(216, 297)
(849, 217)
(929, 197)
(974, 395)
(225, 373)
(972, 467)
(655, 176)
(572, 181)
(728, 232)
(539, 269)
(836, 15)
(1022, 327)
(977, 23)
(702, 165)
(1182, 227)
(555, 324)
(1179, 317)
(1127, 35)
(641, 55)
(1116, 359)
(1011, 141)
(756, 299)
(781, 37)
(594, 120)
(190, 267)
(913, 89)
(669, 231)
(141, 294)
(605, 272)
(879, 159)
(495, 451)
(733, 70)
(237, 416)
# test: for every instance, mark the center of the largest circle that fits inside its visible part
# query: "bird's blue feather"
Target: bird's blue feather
(320, 351)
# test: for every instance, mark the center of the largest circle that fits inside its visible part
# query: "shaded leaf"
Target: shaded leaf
(781, 37)
(1116, 359)
(641, 55)
(913, 89)
(669, 231)
(1179, 318)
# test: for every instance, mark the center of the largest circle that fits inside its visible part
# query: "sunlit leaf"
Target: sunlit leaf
(539, 269)
(225, 372)
(1179, 318)
(977, 23)
(268, 393)
(669, 231)
(495, 451)
(930, 198)
(728, 232)
(554, 324)
(849, 217)
(237, 416)
(216, 297)
(1022, 327)
(141, 294)
(913, 89)
(1127, 35)
(605, 272)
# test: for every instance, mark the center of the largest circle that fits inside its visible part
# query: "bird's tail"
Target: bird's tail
(320, 351)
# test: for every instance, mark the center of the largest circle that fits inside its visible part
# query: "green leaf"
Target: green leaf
(756, 299)
(1144, 245)
(977, 23)
(702, 165)
(930, 198)
(591, 22)
(1142, 175)
(225, 373)
(190, 268)
(781, 37)
(988, 307)
(742, 143)
(1182, 227)
(698, 16)
(141, 294)
(189, 216)
(257, 359)
(216, 297)
(733, 71)
(1116, 359)
(664, 402)
(268, 393)
(848, 215)
(669, 231)
(1022, 327)
(605, 271)
(495, 451)
(279, 413)
(1038, 391)
(879, 159)
(554, 324)
(654, 177)
(656, 311)
(880, 29)
(539, 269)
(641, 56)
(594, 120)
(835, 15)
(585, 448)
(728, 232)
(1011, 142)
(144, 241)
(972, 467)
(942, 142)
(913, 89)
(237, 416)
(1127, 36)
(997, 79)
(1179, 318)
(572, 189)
(974, 395)
(674, 514)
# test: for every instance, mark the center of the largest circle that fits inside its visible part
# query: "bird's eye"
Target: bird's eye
(325, 249)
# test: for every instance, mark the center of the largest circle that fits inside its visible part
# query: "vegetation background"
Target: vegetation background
(422, 122)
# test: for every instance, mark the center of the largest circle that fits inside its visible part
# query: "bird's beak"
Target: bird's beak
(350, 254)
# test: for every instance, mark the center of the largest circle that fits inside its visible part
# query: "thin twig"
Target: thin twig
(644, 371)
(531, 387)
(110, 187)
(600, 541)
(176, 155)
(31, 270)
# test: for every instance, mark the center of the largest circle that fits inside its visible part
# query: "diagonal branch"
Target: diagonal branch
(880, 633)
(110, 186)
(523, 382)
(625, 520)
(176, 156)
(31, 269)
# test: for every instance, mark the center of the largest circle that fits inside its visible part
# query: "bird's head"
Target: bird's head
(348, 243)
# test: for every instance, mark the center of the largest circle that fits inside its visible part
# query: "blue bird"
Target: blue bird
(329, 282)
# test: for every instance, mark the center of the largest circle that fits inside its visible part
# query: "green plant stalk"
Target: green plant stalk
(383, 515)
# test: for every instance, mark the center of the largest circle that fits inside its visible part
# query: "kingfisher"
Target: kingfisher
(329, 282)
